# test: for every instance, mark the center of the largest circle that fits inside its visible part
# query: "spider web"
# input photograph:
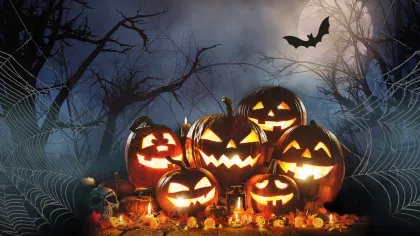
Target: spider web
(37, 188)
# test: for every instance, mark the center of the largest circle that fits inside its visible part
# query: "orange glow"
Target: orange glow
(258, 106)
(203, 183)
(169, 137)
(181, 202)
(269, 125)
(263, 200)
(283, 106)
(209, 135)
(238, 203)
(306, 154)
(302, 172)
(162, 148)
(175, 187)
(228, 162)
(262, 184)
(147, 141)
(280, 185)
(149, 209)
(291, 144)
(121, 219)
(251, 138)
(271, 113)
(231, 144)
(322, 145)
(157, 163)
(236, 216)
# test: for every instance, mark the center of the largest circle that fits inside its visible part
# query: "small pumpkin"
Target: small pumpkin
(271, 192)
(274, 109)
(188, 190)
(122, 188)
(138, 205)
(231, 147)
(217, 211)
(313, 157)
(145, 152)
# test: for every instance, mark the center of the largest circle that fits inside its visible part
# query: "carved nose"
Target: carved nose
(162, 148)
(307, 154)
(271, 113)
(231, 144)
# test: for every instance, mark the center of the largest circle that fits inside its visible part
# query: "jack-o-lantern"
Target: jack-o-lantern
(274, 109)
(145, 152)
(312, 156)
(272, 192)
(230, 147)
(188, 190)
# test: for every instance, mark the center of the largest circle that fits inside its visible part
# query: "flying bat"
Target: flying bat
(311, 42)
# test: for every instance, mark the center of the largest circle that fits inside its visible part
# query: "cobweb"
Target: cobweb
(37, 188)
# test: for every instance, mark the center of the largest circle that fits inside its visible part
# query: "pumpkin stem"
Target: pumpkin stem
(229, 105)
(117, 176)
(272, 169)
(176, 162)
(313, 122)
(142, 121)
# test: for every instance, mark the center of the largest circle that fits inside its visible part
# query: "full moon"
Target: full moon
(342, 13)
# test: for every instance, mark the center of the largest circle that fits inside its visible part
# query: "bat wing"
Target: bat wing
(323, 30)
(296, 42)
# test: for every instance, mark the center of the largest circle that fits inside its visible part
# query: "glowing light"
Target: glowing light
(185, 120)
(293, 144)
(236, 216)
(306, 154)
(161, 148)
(147, 141)
(302, 172)
(157, 163)
(121, 219)
(280, 185)
(269, 125)
(209, 135)
(331, 217)
(283, 106)
(271, 113)
(175, 187)
(322, 145)
(231, 144)
(149, 209)
(264, 200)
(169, 137)
(228, 162)
(262, 184)
(251, 138)
(258, 106)
(238, 203)
(181, 202)
(204, 182)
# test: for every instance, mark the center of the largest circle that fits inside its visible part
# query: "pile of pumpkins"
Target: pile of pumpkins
(223, 150)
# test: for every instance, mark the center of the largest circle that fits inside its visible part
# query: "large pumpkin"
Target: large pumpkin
(230, 147)
(122, 188)
(271, 192)
(138, 205)
(312, 156)
(145, 152)
(188, 190)
(274, 109)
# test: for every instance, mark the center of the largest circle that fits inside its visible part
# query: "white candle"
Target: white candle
(185, 128)
(331, 220)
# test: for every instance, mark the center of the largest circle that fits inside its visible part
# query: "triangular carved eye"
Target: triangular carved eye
(251, 138)
(292, 144)
(210, 135)
(322, 146)
(258, 106)
(283, 106)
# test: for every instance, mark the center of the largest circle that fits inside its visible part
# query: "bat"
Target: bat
(312, 41)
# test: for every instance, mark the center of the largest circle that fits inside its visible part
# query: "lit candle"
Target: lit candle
(185, 128)
(122, 223)
(331, 220)
(236, 223)
(88, 181)
(238, 205)
(147, 219)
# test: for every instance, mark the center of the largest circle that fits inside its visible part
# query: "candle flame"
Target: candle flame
(236, 216)
(121, 219)
(238, 203)
(149, 209)
(185, 120)
(331, 217)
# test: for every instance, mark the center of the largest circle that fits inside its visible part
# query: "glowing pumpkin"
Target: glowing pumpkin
(230, 147)
(312, 156)
(145, 152)
(271, 192)
(274, 109)
(188, 190)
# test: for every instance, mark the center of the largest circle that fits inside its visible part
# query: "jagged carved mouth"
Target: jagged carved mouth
(269, 125)
(228, 162)
(264, 200)
(182, 202)
(157, 163)
(304, 171)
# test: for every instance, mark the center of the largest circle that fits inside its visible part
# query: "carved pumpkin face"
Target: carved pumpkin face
(145, 152)
(230, 147)
(271, 192)
(188, 190)
(312, 156)
(274, 109)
